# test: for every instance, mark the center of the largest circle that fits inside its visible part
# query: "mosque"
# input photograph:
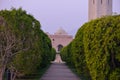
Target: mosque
(60, 39)
(96, 9)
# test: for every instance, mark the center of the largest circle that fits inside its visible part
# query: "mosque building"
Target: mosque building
(60, 39)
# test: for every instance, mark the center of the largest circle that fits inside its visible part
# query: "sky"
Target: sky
(54, 14)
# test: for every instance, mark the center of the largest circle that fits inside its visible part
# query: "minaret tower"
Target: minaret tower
(98, 8)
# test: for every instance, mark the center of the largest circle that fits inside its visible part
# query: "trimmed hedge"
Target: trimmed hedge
(96, 49)
(66, 55)
(34, 49)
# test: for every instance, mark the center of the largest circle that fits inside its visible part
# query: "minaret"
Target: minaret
(99, 8)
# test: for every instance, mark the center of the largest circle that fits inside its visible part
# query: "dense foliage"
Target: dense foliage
(74, 55)
(96, 49)
(31, 49)
(67, 55)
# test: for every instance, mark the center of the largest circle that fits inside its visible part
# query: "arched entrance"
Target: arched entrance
(59, 47)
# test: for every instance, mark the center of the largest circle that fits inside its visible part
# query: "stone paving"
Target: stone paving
(59, 71)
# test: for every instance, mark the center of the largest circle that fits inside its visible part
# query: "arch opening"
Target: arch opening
(59, 47)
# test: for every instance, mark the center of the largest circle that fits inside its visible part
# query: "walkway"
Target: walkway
(59, 71)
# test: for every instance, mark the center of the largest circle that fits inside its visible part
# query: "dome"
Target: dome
(60, 31)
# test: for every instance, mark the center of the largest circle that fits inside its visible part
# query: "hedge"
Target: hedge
(32, 50)
(96, 49)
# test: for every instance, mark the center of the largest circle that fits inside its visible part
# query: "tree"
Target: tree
(24, 47)
(101, 45)
(96, 49)
(10, 45)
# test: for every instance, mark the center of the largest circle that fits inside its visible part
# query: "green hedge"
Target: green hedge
(34, 49)
(66, 55)
(96, 49)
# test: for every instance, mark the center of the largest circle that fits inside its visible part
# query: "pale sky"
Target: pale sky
(53, 14)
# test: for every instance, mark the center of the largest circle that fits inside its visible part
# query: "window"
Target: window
(53, 40)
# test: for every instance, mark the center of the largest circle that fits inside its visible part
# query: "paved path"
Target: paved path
(59, 71)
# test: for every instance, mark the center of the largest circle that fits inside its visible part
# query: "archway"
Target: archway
(59, 47)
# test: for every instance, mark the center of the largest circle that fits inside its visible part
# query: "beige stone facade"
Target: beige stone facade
(60, 39)
(98, 8)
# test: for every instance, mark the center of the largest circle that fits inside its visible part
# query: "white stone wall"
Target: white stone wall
(99, 8)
